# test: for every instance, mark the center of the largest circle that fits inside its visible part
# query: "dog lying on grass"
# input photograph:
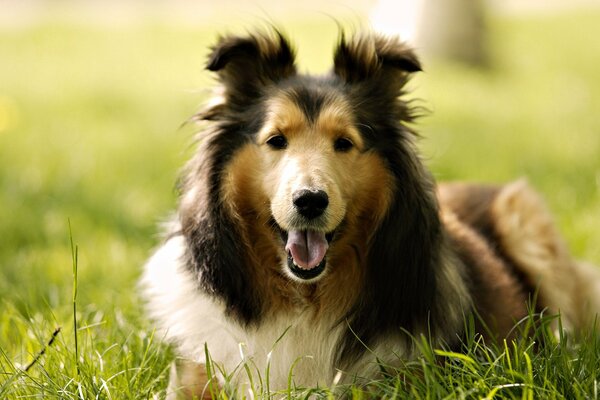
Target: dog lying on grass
(309, 230)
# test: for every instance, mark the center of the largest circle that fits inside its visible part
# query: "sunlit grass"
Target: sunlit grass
(90, 131)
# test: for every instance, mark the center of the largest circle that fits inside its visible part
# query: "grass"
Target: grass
(90, 133)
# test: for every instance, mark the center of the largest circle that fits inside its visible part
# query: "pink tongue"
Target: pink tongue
(308, 248)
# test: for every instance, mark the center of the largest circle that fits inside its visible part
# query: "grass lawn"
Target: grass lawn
(90, 134)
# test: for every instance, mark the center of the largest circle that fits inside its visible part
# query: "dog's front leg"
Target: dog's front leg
(188, 380)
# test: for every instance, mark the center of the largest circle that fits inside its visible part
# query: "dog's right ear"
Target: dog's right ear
(247, 65)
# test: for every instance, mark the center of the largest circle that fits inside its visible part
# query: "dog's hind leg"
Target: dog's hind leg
(530, 238)
(589, 292)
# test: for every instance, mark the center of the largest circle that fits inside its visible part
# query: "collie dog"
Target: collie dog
(311, 242)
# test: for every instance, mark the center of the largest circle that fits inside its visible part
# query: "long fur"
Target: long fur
(404, 258)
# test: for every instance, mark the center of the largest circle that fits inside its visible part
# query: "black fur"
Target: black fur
(310, 101)
(247, 66)
(400, 287)
(217, 253)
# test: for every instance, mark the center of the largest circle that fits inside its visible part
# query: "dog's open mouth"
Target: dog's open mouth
(306, 250)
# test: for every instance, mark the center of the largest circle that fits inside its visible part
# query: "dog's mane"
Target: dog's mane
(400, 288)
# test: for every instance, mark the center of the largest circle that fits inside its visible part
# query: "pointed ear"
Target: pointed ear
(374, 57)
(246, 65)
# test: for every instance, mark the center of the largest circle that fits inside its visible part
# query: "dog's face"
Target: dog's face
(314, 165)
(309, 159)
(309, 177)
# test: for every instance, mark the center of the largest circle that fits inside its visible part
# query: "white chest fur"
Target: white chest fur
(289, 348)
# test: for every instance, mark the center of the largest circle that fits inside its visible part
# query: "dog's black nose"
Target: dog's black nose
(310, 203)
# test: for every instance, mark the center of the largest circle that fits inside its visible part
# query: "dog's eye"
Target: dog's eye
(342, 144)
(278, 142)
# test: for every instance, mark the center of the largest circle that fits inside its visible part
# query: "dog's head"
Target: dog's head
(298, 169)
(307, 146)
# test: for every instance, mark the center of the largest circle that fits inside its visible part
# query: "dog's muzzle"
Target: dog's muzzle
(307, 246)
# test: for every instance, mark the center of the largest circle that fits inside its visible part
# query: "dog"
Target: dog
(311, 241)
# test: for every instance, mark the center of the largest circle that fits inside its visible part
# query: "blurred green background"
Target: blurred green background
(92, 102)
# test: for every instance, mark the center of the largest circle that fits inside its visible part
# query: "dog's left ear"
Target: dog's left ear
(374, 57)
(247, 65)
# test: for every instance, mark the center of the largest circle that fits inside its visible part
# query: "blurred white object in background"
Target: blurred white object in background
(440, 28)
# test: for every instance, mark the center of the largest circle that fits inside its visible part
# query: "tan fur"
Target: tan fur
(588, 292)
(521, 233)
(497, 295)
(310, 160)
(335, 121)
(188, 380)
(528, 233)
